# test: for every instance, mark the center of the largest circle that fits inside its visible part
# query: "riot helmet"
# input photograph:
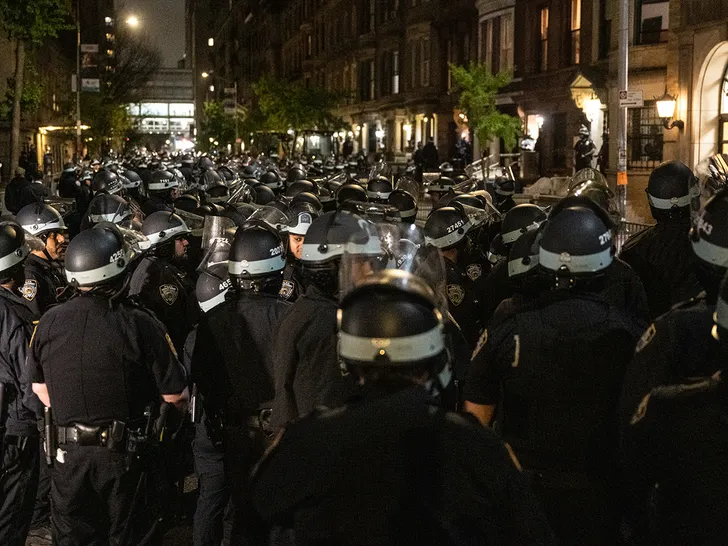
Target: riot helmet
(131, 180)
(187, 202)
(669, 191)
(272, 180)
(39, 219)
(523, 260)
(446, 169)
(301, 217)
(300, 185)
(519, 220)
(446, 228)
(307, 197)
(351, 192)
(406, 203)
(504, 188)
(163, 229)
(108, 208)
(13, 252)
(294, 174)
(162, 183)
(263, 195)
(212, 286)
(709, 238)
(97, 256)
(106, 181)
(379, 189)
(441, 184)
(257, 259)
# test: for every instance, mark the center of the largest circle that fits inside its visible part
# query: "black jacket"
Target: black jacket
(155, 204)
(16, 328)
(307, 365)
(232, 360)
(663, 258)
(44, 280)
(394, 469)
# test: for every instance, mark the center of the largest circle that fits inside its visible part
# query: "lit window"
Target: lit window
(211, 42)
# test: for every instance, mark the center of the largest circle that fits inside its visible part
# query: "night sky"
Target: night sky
(164, 22)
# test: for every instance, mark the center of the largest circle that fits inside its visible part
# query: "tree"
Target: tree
(478, 90)
(28, 23)
(288, 106)
(216, 125)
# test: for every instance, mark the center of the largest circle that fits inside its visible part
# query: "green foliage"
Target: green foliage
(478, 91)
(216, 125)
(285, 106)
(30, 99)
(34, 20)
(109, 121)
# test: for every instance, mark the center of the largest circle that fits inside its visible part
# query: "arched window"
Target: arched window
(723, 144)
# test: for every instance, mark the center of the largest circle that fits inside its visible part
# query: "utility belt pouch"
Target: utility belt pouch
(117, 436)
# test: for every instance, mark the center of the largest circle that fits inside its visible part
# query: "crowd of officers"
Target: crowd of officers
(491, 374)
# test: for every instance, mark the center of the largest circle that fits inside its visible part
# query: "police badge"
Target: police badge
(474, 271)
(456, 294)
(29, 289)
(286, 289)
(169, 293)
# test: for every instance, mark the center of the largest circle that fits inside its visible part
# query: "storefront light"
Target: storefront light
(379, 133)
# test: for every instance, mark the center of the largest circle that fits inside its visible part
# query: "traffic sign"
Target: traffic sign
(631, 99)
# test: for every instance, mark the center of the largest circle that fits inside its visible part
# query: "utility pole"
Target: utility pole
(79, 151)
(623, 83)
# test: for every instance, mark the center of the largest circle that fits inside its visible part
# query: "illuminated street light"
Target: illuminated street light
(132, 21)
(205, 75)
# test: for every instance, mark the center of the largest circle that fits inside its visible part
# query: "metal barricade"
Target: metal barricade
(627, 230)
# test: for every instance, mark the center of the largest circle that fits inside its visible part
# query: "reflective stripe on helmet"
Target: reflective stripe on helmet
(517, 267)
(36, 229)
(258, 267)
(167, 184)
(451, 238)
(112, 217)
(378, 194)
(513, 236)
(14, 258)
(408, 213)
(209, 305)
(711, 253)
(504, 192)
(587, 263)
(395, 349)
(108, 271)
(667, 204)
(156, 238)
(313, 252)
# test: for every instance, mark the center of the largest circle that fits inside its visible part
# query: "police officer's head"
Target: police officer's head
(106, 207)
(709, 238)
(272, 180)
(13, 251)
(405, 203)
(520, 220)
(46, 225)
(106, 181)
(379, 189)
(600, 194)
(300, 185)
(301, 217)
(350, 192)
(523, 263)
(163, 185)
(263, 195)
(168, 235)
(257, 258)
(391, 332)
(504, 188)
(212, 286)
(309, 198)
(329, 236)
(446, 229)
(440, 186)
(668, 191)
(576, 248)
(97, 257)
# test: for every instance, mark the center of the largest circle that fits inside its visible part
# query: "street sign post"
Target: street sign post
(631, 99)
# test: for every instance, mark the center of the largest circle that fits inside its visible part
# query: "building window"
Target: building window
(543, 48)
(575, 36)
(653, 17)
(644, 144)
(425, 80)
(496, 43)
(395, 72)
(723, 146)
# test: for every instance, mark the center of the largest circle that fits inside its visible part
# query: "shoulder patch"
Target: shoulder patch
(641, 410)
(169, 293)
(647, 337)
(30, 289)
(481, 343)
(474, 271)
(456, 294)
(287, 289)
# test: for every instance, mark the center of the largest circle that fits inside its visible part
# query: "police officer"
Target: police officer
(518, 221)
(106, 181)
(210, 526)
(503, 190)
(43, 275)
(233, 365)
(163, 189)
(309, 374)
(99, 361)
(554, 367)
(661, 255)
(674, 450)
(106, 207)
(301, 216)
(392, 467)
(159, 282)
(678, 344)
(18, 405)
(446, 229)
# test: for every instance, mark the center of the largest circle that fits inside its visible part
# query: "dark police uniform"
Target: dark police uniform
(233, 368)
(101, 363)
(21, 450)
(43, 282)
(677, 438)
(292, 287)
(497, 289)
(676, 346)
(556, 367)
(465, 294)
(307, 367)
(394, 469)
(624, 290)
(156, 203)
(663, 258)
(166, 290)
